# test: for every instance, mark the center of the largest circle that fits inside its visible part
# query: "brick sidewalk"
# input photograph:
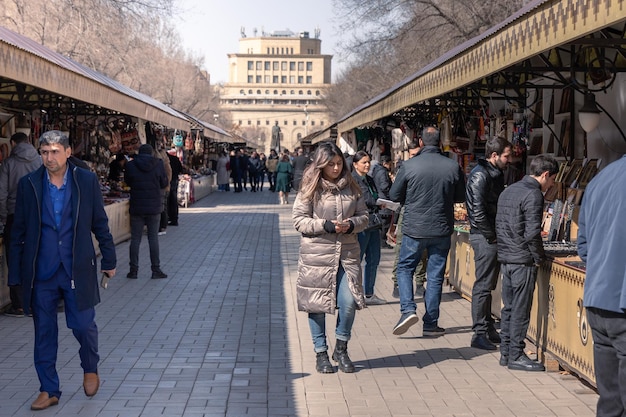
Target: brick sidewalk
(222, 337)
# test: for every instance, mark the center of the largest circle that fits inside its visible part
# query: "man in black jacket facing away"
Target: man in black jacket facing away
(520, 251)
(427, 185)
(484, 185)
(145, 175)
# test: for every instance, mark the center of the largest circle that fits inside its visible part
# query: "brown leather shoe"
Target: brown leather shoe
(91, 383)
(44, 401)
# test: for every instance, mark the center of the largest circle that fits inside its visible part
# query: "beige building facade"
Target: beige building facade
(277, 79)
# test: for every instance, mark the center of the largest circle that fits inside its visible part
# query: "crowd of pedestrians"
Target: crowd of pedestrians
(504, 233)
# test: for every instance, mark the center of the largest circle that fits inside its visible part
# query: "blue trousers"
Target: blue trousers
(410, 255)
(345, 316)
(46, 296)
(369, 243)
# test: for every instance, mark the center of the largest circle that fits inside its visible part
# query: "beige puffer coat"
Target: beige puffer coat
(321, 252)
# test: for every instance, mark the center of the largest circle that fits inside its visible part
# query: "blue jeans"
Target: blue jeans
(410, 255)
(345, 316)
(369, 242)
(136, 230)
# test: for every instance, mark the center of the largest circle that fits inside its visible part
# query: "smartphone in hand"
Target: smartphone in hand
(104, 281)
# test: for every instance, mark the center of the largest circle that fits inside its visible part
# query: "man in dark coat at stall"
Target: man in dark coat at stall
(58, 207)
(484, 185)
(145, 175)
(520, 252)
(427, 185)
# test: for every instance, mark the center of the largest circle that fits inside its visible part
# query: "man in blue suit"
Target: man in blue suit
(58, 206)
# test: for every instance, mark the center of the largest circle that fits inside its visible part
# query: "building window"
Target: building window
(291, 51)
(275, 92)
(284, 92)
(300, 92)
(283, 65)
(309, 80)
(309, 66)
(295, 123)
(300, 66)
(258, 92)
(242, 92)
(267, 79)
(300, 79)
(250, 65)
(258, 123)
(250, 79)
(259, 65)
(304, 123)
(268, 51)
(283, 79)
(292, 66)
(312, 122)
(258, 79)
(322, 123)
(267, 92)
(249, 122)
(275, 65)
(249, 91)
(292, 79)
(275, 80)
(267, 123)
(317, 93)
(286, 123)
(267, 65)
(292, 92)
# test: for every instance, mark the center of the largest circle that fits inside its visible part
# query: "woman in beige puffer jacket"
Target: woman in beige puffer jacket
(329, 211)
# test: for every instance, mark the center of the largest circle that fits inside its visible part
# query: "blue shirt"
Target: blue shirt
(57, 197)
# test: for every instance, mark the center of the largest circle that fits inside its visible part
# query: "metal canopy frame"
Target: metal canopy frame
(564, 42)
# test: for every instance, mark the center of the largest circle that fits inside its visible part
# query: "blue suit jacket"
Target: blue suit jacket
(88, 216)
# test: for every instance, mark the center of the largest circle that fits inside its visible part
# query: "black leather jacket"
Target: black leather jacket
(484, 185)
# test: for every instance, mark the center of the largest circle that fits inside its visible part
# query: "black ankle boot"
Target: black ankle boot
(340, 355)
(322, 363)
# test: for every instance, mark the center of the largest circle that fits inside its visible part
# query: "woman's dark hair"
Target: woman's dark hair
(312, 175)
(360, 155)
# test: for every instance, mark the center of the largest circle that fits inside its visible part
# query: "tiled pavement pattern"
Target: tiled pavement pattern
(222, 337)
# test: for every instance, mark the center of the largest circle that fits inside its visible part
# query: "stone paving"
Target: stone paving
(222, 337)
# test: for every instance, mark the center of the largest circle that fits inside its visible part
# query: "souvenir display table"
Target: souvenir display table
(194, 188)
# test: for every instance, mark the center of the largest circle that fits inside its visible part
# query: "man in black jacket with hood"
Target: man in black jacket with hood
(484, 185)
(145, 175)
(427, 185)
(520, 252)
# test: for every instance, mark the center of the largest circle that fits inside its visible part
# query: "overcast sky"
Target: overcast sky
(212, 28)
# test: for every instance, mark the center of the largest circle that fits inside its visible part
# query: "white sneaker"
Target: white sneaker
(162, 233)
(374, 301)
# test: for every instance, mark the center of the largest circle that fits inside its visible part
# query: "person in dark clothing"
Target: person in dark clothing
(254, 169)
(23, 160)
(300, 161)
(116, 167)
(235, 170)
(484, 185)
(427, 185)
(58, 209)
(379, 171)
(243, 168)
(520, 252)
(172, 198)
(145, 175)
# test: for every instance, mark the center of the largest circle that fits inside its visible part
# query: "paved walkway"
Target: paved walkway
(222, 337)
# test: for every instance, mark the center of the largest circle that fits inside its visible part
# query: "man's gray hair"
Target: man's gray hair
(54, 136)
(430, 136)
